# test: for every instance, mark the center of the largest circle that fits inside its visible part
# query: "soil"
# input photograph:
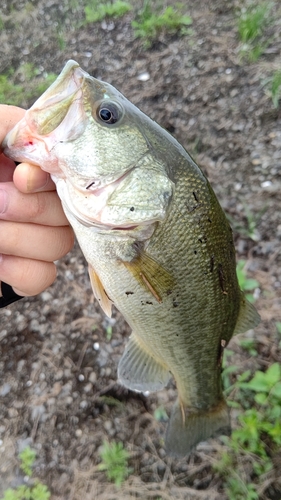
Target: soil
(59, 353)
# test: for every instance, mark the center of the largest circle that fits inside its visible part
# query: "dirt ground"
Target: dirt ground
(58, 389)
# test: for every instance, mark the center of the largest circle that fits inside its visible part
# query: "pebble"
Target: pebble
(46, 296)
(92, 377)
(143, 77)
(88, 387)
(83, 404)
(3, 334)
(12, 412)
(59, 375)
(20, 365)
(107, 425)
(5, 389)
(78, 433)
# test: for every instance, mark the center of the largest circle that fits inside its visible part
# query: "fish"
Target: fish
(158, 244)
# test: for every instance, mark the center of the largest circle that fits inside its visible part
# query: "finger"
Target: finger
(35, 242)
(7, 168)
(30, 178)
(39, 208)
(26, 276)
(10, 115)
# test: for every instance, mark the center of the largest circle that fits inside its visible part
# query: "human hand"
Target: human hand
(34, 231)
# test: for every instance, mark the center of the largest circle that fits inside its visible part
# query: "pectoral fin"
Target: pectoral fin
(248, 316)
(99, 292)
(151, 275)
(139, 371)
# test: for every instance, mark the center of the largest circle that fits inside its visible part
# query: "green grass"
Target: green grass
(97, 11)
(275, 88)
(151, 22)
(249, 228)
(249, 453)
(160, 414)
(36, 490)
(114, 462)
(246, 284)
(32, 86)
(10, 93)
(251, 25)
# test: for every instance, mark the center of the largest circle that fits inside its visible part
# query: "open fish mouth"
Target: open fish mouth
(57, 116)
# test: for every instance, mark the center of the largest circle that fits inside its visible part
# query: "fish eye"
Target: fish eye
(109, 113)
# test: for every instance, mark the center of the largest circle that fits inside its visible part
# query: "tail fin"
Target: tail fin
(186, 430)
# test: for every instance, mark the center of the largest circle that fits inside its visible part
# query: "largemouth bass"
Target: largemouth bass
(158, 244)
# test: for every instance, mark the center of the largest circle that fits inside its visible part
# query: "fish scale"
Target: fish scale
(158, 244)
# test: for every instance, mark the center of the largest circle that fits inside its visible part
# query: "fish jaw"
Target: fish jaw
(45, 125)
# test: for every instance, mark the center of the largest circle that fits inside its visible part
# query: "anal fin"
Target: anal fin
(139, 371)
(99, 292)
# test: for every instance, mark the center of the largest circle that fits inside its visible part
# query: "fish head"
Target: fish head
(91, 139)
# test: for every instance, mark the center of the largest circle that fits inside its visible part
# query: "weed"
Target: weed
(252, 22)
(10, 93)
(257, 438)
(246, 284)
(108, 332)
(160, 414)
(115, 462)
(111, 401)
(251, 25)
(27, 458)
(249, 228)
(278, 328)
(150, 23)
(35, 491)
(32, 85)
(96, 11)
(250, 346)
(276, 88)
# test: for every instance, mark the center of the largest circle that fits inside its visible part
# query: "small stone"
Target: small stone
(107, 425)
(88, 387)
(256, 161)
(92, 377)
(5, 389)
(59, 375)
(78, 433)
(46, 296)
(12, 412)
(143, 77)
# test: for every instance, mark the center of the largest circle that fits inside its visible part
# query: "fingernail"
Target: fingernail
(4, 200)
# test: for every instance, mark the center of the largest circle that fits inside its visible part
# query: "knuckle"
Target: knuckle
(65, 241)
(37, 276)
